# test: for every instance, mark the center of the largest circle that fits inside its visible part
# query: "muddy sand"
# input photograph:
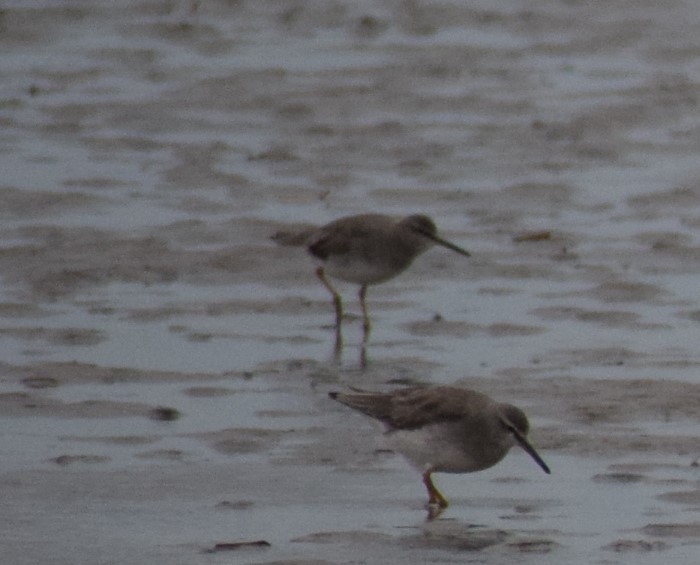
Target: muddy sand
(165, 355)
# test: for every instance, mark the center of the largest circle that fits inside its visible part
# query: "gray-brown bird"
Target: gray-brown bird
(369, 249)
(445, 429)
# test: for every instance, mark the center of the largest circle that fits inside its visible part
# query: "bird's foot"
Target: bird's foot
(434, 509)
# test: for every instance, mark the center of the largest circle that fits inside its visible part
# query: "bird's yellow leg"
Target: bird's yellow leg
(434, 495)
(337, 302)
(366, 325)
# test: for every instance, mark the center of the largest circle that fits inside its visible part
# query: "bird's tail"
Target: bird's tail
(375, 405)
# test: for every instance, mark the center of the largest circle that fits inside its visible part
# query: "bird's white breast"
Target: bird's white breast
(430, 448)
(362, 271)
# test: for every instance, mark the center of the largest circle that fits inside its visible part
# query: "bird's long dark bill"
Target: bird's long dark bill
(531, 450)
(447, 244)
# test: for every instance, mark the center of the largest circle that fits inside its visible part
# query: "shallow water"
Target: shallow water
(149, 152)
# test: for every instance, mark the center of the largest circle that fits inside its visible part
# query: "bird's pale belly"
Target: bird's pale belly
(429, 448)
(360, 272)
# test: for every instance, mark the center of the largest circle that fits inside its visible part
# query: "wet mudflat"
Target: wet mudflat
(165, 362)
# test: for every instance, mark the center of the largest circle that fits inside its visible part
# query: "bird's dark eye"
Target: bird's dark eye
(508, 426)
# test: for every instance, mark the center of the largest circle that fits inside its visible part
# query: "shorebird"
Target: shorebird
(445, 429)
(369, 249)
